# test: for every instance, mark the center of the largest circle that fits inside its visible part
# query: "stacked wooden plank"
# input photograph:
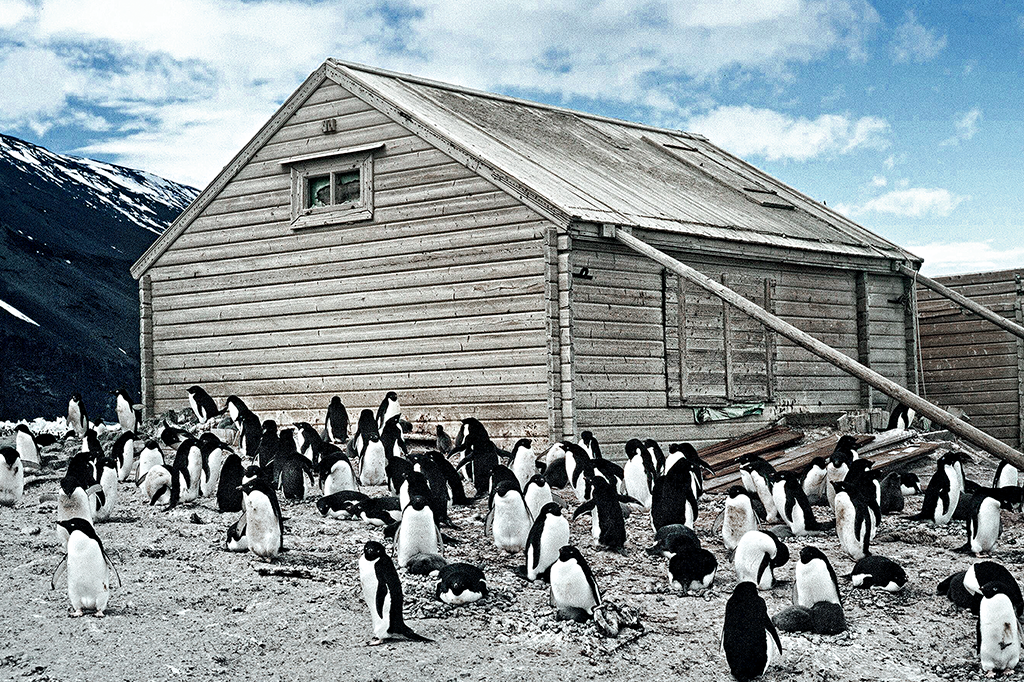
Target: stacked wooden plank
(723, 457)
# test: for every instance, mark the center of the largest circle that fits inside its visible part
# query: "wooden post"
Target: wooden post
(146, 344)
(565, 335)
(912, 339)
(843, 362)
(864, 336)
(1018, 310)
(961, 300)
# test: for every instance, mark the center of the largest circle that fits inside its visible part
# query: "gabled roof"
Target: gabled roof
(578, 167)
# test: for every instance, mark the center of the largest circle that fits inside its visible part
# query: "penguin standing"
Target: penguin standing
(250, 432)
(127, 416)
(672, 499)
(189, 458)
(264, 526)
(202, 404)
(389, 409)
(759, 553)
(855, 523)
(509, 521)
(900, 418)
(336, 422)
(984, 520)
(229, 494)
(77, 418)
(460, 584)
(87, 567)
(549, 533)
(123, 453)
(573, 591)
(839, 465)
(639, 472)
(336, 473)
(537, 494)
(481, 455)
(150, 456)
(815, 481)
(891, 489)
(212, 452)
(235, 407)
(750, 641)
(291, 469)
(792, 504)
(107, 468)
(370, 451)
(266, 453)
(998, 631)
(1006, 476)
(608, 526)
(524, 462)
(943, 492)
(418, 534)
(737, 518)
(757, 476)
(816, 580)
(12, 477)
(27, 447)
(382, 591)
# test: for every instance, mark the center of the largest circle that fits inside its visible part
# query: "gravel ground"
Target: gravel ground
(186, 608)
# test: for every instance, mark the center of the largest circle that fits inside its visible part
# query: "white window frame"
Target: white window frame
(331, 163)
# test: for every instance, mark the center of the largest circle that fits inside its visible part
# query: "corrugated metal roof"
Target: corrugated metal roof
(601, 170)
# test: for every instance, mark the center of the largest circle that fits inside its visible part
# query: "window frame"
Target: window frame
(331, 164)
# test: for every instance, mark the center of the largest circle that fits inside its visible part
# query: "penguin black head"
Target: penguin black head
(858, 467)
(847, 443)
(522, 443)
(287, 440)
(23, 429)
(504, 487)
(991, 589)
(841, 457)
(152, 445)
(79, 524)
(818, 463)
(810, 553)
(10, 455)
(391, 395)
(910, 480)
(738, 491)
(270, 426)
(373, 550)
(634, 446)
(417, 502)
(551, 508)
(787, 476)
(746, 590)
(570, 553)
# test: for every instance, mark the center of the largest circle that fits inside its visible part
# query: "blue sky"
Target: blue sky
(904, 116)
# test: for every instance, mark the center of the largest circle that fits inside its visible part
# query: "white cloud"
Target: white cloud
(963, 257)
(966, 127)
(12, 12)
(879, 181)
(209, 68)
(915, 43)
(747, 131)
(916, 202)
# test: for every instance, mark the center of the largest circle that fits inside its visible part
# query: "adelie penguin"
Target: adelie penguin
(264, 525)
(549, 533)
(370, 451)
(340, 504)
(537, 494)
(984, 521)
(107, 475)
(127, 415)
(738, 517)
(815, 480)
(378, 511)
(235, 407)
(460, 584)
(691, 568)
(998, 631)
(757, 475)
(573, 590)
(202, 404)
(212, 452)
(943, 492)
(481, 455)
(88, 569)
(382, 592)
(639, 472)
(750, 641)
(900, 418)
(839, 465)
(524, 462)
(336, 422)
(124, 454)
(12, 477)
(672, 500)
(150, 456)
(336, 473)
(389, 410)
(792, 504)
(509, 520)
(878, 571)
(964, 587)
(78, 421)
(27, 446)
(855, 521)
(608, 527)
(418, 535)
(759, 553)
(229, 485)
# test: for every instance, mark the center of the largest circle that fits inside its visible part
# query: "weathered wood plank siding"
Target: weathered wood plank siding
(445, 296)
(619, 343)
(970, 363)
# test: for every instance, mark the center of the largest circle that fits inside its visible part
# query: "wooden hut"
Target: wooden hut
(971, 364)
(383, 231)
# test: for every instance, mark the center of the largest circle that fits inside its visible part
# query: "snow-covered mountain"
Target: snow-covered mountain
(69, 320)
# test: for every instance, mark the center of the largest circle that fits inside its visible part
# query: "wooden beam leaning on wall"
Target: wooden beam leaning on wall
(840, 360)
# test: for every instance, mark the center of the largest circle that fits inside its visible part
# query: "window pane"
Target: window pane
(318, 191)
(346, 187)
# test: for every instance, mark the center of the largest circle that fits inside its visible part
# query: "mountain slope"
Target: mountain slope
(69, 230)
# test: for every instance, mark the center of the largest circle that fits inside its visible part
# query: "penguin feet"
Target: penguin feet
(376, 641)
(99, 614)
(76, 614)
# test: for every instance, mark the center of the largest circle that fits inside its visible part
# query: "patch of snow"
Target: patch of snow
(17, 313)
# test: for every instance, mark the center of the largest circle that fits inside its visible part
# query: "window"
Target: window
(332, 187)
(715, 354)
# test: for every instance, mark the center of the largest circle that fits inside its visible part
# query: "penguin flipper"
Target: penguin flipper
(391, 530)
(584, 508)
(406, 632)
(449, 540)
(60, 572)
(111, 566)
(765, 565)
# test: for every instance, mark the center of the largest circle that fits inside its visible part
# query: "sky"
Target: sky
(906, 117)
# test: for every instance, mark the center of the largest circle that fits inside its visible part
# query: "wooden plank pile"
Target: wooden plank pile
(887, 450)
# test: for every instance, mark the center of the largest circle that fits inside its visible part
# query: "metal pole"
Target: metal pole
(840, 360)
(964, 302)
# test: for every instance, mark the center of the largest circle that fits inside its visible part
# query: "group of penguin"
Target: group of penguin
(526, 495)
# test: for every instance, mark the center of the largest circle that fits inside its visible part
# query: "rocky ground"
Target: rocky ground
(188, 609)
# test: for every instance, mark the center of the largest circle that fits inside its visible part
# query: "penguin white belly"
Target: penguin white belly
(147, 460)
(943, 514)
(1008, 476)
(109, 484)
(814, 584)
(736, 523)
(635, 479)
(747, 481)
(779, 499)
(1000, 635)
(74, 506)
(262, 527)
(846, 528)
(88, 575)
(371, 471)
(524, 468)
(595, 526)
(209, 482)
(340, 478)
(749, 557)
(570, 588)
(765, 495)
(986, 532)
(536, 497)
(554, 536)
(814, 486)
(511, 524)
(416, 535)
(12, 483)
(126, 462)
